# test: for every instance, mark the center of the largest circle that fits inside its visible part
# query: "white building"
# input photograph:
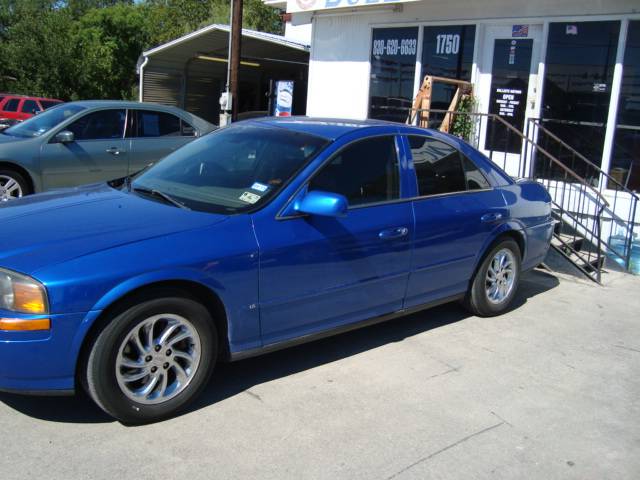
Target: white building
(576, 63)
(565, 73)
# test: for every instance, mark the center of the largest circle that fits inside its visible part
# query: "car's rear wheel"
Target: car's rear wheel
(496, 281)
(151, 360)
(12, 185)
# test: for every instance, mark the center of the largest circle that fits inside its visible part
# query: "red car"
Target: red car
(21, 107)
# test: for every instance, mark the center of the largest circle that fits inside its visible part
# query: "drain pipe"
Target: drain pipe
(141, 78)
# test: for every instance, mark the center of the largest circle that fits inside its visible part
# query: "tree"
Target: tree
(107, 43)
(79, 49)
(38, 53)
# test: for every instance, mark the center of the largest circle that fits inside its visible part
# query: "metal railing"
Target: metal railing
(574, 183)
(622, 203)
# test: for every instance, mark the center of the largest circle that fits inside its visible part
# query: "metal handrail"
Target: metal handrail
(557, 162)
(537, 123)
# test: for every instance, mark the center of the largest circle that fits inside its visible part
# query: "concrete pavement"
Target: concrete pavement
(549, 390)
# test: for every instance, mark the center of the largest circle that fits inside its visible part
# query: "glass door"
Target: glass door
(625, 160)
(580, 62)
(508, 85)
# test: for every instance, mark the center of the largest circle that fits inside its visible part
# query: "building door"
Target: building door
(508, 87)
(579, 67)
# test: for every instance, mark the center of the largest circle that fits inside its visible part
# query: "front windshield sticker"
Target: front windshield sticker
(249, 197)
(260, 187)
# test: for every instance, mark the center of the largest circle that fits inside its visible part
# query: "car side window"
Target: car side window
(12, 105)
(30, 106)
(160, 124)
(103, 124)
(364, 172)
(441, 168)
(186, 129)
(475, 178)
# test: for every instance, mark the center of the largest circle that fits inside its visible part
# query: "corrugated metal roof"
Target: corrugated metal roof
(267, 37)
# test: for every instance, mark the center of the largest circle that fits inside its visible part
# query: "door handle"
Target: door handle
(113, 151)
(491, 217)
(392, 233)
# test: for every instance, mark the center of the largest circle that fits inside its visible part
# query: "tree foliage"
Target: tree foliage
(79, 49)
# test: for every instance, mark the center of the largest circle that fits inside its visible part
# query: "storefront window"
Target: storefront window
(625, 161)
(447, 51)
(580, 60)
(393, 64)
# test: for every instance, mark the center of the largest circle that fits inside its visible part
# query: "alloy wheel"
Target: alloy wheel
(158, 358)
(501, 276)
(10, 189)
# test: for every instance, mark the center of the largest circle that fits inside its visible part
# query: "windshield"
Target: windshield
(42, 123)
(233, 169)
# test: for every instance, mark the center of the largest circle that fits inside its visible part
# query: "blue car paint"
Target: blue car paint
(279, 275)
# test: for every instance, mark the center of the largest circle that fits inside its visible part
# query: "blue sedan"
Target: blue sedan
(258, 236)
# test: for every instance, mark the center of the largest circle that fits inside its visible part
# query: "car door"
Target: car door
(98, 152)
(154, 135)
(455, 213)
(322, 272)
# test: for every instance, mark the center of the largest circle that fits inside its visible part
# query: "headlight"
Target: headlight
(19, 293)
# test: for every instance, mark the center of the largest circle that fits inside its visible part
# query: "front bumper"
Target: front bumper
(44, 361)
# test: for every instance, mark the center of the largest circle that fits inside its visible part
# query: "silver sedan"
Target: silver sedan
(90, 141)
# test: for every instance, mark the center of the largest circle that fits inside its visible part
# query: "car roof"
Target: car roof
(329, 128)
(31, 97)
(197, 122)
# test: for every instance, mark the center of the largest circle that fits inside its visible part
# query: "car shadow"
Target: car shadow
(230, 379)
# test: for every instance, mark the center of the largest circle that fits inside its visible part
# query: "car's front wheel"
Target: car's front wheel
(496, 281)
(152, 359)
(12, 185)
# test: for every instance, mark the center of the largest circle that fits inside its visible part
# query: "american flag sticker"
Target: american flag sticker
(520, 31)
(572, 30)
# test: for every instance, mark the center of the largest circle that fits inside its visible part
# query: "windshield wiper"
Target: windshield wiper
(162, 195)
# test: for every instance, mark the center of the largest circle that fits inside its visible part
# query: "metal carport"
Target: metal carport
(190, 72)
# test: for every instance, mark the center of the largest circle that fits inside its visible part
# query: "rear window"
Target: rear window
(12, 105)
(441, 168)
(1, 98)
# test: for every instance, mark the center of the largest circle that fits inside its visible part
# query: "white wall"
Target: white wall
(298, 33)
(340, 46)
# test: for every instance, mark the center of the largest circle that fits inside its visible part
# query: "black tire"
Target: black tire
(101, 380)
(18, 177)
(477, 299)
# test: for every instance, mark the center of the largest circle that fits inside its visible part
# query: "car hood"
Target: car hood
(50, 228)
(6, 138)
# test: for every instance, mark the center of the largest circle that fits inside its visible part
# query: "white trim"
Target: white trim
(614, 99)
(417, 80)
(267, 37)
(475, 62)
(537, 19)
(141, 79)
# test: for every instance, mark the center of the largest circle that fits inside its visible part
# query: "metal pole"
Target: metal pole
(234, 55)
(229, 49)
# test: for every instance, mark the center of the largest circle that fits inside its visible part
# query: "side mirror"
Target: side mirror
(326, 204)
(65, 136)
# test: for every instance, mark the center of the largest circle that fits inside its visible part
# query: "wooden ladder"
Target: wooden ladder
(422, 102)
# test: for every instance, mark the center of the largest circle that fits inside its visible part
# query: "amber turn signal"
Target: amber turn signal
(29, 298)
(19, 324)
